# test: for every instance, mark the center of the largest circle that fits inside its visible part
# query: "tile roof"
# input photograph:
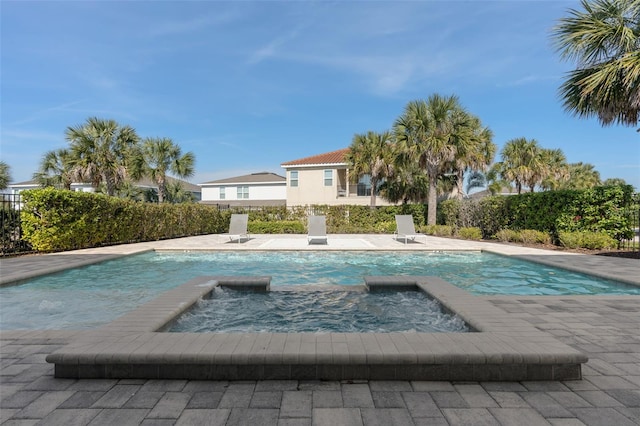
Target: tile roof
(261, 177)
(333, 157)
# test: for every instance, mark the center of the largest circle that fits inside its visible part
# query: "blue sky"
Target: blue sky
(248, 85)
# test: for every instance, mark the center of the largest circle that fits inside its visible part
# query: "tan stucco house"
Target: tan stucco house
(324, 179)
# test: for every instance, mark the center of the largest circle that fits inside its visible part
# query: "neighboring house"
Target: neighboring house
(505, 190)
(256, 189)
(324, 179)
(16, 188)
(195, 190)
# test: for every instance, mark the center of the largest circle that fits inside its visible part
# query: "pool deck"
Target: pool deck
(602, 328)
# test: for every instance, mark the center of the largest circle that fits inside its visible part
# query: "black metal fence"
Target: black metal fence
(11, 231)
(633, 216)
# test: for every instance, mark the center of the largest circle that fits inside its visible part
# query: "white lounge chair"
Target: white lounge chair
(238, 227)
(405, 229)
(317, 229)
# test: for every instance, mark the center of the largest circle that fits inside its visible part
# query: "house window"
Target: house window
(293, 178)
(222, 193)
(328, 177)
(364, 186)
(243, 192)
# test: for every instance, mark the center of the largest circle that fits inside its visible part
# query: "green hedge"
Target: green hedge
(54, 220)
(586, 239)
(63, 220)
(527, 236)
(280, 227)
(341, 219)
(599, 209)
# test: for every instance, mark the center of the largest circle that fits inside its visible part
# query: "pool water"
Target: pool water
(231, 311)
(86, 297)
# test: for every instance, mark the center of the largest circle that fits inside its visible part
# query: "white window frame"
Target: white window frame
(223, 194)
(293, 178)
(243, 192)
(328, 181)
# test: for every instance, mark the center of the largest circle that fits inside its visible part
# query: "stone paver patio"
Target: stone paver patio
(604, 328)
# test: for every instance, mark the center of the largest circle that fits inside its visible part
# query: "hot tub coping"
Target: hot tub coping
(503, 348)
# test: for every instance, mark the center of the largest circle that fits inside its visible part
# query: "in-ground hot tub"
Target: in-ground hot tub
(317, 309)
(501, 348)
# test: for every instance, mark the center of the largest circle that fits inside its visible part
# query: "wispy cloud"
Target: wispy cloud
(190, 25)
(272, 48)
(28, 135)
(529, 79)
(45, 113)
(393, 50)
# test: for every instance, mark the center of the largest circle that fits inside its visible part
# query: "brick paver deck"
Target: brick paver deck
(604, 328)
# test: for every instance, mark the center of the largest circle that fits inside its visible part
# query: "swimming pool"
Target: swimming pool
(86, 297)
(317, 311)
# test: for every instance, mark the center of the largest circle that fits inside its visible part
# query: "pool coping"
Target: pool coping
(503, 347)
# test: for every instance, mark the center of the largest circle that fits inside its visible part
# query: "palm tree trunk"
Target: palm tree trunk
(459, 184)
(110, 184)
(432, 200)
(161, 190)
(374, 183)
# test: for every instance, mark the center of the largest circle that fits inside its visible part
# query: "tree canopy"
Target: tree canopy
(5, 175)
(603, 39)
(370, 154)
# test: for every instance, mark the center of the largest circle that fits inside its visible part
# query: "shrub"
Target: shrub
(470, 233)
(586, 239)
(385, 227)
(493, 215)
(596, 209)
(531, 236)
(599, 209)
(437, 230)
(279, 227)
(449, 212)
(459, 214)
(507, 235)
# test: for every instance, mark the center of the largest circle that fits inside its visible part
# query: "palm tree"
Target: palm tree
(604, 40)
(556, 169)
(406, 181)
(369, 154)
(475, 180)
(614, 182)
(101, 151)
(177, 194)
(55, 169)
(475, 154)
(157, 157)
(431, 133)
(521, 163)
(5, 175)
(582, 176)
(405, 186)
